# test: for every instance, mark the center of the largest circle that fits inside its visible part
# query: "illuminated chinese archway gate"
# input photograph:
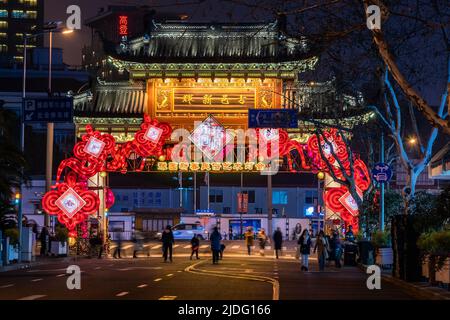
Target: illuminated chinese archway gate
(73, 202)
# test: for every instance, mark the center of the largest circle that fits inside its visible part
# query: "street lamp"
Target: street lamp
(48, 28)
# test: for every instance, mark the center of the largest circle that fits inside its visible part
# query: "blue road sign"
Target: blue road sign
(382, 172)
(44, 110)
(272, 118)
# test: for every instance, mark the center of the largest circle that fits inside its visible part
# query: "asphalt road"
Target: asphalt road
(237, 277)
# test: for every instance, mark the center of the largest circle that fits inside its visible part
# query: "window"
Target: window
(18, 58)
(125, 198)
(3, 13)
(118, 197)
(311, 196)
(150, 198)
(158, 198)
(251, 195)
(3, 24)
(3, 35)
(31, 3)
(116, 226)
(20, 14)
(216, 196)
(3, 48)
(279, 197)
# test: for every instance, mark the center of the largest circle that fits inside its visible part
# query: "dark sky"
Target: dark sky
(207, 10)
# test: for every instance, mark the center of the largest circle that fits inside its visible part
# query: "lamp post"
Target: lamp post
(49, 29)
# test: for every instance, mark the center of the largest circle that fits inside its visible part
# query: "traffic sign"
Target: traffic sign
(382, 172)
(45, 110)
(272, 118)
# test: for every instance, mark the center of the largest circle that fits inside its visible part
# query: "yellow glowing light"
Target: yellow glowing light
(71, 241)
(162, 158)
(103, 174)
(321, 175)
(412, 141)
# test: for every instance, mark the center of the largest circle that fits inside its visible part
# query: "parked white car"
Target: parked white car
(185, 231)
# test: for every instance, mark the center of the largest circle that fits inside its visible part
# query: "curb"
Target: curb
(28, 265)
(424, 291)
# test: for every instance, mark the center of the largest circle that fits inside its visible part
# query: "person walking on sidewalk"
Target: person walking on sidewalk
(304, 243)
(249, 240)
(277, 241)
(262, 237)
(322, 249)
(195, 244)
(44, 238)
(215, 239)
(167, 241)
(119, 245)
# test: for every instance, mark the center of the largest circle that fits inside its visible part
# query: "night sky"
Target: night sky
(210, 10)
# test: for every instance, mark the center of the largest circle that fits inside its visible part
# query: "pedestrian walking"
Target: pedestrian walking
(322, 249)
(44, 238)
(138, 240)
(119, 245)
(277, 241)
(167, 241)
(195, 244)
(215, 239)
(249, 240)
(262, 237)
(222, 249)
(337, 250)
(305, 248)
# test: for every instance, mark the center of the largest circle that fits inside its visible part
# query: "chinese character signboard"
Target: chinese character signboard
(47, 109)
(274, 118)
(242, 202)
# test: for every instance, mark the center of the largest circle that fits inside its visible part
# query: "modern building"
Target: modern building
(18, 18)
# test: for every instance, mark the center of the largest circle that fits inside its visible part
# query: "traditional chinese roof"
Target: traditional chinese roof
(186, 42)
(112, 99)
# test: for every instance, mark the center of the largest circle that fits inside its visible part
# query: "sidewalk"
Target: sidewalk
(422, 290)
(37, 262)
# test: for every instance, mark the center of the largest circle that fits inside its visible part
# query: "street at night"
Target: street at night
(225, 158)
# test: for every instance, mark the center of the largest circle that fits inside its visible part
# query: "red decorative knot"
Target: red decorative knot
(71, 202)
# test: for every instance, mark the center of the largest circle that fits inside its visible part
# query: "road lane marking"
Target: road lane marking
(157, 246)
(33, 297)
(204, 246)
(179, 271)
(128, 247)
(121, 294)
(142, 285)
(187, 247)
(60, 275)
(48, 270)
(158, 279)
(274, 282)
(133, 268)
(147, 245)
(168, 298)
(169, 275)
(177, 245)
(36, 280)
(235, 247)
(7, 286)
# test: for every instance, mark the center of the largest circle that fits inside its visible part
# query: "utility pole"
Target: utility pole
(382, 186)
(50, 131)
(269, 203)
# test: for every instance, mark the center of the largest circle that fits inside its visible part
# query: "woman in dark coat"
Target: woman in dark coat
(305, 248)
(167, 240)
(278, 240)
(215, 244)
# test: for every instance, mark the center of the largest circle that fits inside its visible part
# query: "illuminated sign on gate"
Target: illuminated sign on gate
(123, 25)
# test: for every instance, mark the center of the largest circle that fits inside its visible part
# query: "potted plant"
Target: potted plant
(441, 249)
(381, 242)
(425, 246)
(59, 246)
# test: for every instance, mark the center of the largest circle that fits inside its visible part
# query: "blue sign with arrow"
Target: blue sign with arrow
(382, 173)
(45, 110)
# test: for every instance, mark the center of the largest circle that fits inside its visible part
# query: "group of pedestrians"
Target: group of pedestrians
(327, 248)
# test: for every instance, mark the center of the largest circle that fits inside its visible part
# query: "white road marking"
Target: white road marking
(168, 298)
(36, 280)
(179, 271)
(7, 286)
(127, 247)
(169, 275)
(60, 275)
(124, 293)
(143, 285)
(158, 279)
(33, 297)
(177, 245)
(133, 268)
(48, 270)
(268, 247)
(235, 247)
(187, 247)
(157, 246)
(147, 245)
(112, 247)
(204, 246)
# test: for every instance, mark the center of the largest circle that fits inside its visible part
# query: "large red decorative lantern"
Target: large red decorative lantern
(71, 202)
